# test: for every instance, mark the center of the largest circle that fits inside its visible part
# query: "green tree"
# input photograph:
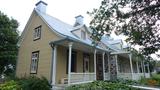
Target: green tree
(8, 43)
(138, 20)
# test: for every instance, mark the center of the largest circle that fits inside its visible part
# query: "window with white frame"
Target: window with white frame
(34, 62)
(83, 34)
(37, 33)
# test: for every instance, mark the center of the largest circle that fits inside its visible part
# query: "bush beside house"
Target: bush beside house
(153, 81)
(102, 85)
(30, 83)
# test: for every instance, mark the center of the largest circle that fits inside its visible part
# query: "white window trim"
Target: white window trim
(37, 33)
(34, 62)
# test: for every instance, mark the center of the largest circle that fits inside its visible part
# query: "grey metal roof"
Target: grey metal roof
(65, 29)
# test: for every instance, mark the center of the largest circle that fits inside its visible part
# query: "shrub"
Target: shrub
(10, 85)
(34, 83)
(27, 83)
(101, 85)
(153, 81)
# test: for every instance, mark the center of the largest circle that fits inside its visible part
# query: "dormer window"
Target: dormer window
(83, 34)
(37, 33)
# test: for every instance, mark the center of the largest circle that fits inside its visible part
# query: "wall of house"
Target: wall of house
(124, 64)
(91, 62)
(79, 61)
(28, 46)
(62, 63)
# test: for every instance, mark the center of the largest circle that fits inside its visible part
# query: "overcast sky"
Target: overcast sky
(64, 10)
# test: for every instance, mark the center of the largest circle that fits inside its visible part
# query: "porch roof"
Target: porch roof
(79, 44)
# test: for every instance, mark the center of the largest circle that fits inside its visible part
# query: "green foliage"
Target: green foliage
(153, 81)
(8, 40)
(34, 83)
(157, 78)
(29, 83)
(101, 85)
(137, 19)
(10, 85)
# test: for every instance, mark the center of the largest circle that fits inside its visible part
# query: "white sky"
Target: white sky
(64, 10)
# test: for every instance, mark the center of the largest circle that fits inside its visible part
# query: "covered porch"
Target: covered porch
(76, 62)
(127, 67)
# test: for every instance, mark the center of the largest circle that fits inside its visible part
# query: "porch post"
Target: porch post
(69, 62)
(131, 66)
(144, 69)
(54, 63)
(108, 66)
(103, 67)
(116, 64)
(148, 69)
(137, 67)
(95, 63)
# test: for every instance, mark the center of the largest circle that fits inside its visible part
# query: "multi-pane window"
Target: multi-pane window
(34, 62)
(37, 33)
(83, 34)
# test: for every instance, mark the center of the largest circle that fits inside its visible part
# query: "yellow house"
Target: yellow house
(65, 55)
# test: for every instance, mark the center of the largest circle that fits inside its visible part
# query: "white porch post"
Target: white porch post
(95, 64)
(69, 62)
(116, 64)
(148, 68)
(131, 66)
(103, 67)
(108, 66)
(144, 69)
(137, 67)
(54, 63)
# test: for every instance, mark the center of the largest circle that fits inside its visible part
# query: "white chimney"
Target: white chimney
(79, 20)
(41, 6)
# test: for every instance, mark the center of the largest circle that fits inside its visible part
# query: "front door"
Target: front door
(99, 67)
(86, 63)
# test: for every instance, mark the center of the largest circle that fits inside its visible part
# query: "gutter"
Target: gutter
(75, 40)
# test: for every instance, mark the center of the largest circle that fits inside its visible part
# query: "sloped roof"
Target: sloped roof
(65, 30)
(117, 41)
(61, 27)
(105, 41)
(57, 25)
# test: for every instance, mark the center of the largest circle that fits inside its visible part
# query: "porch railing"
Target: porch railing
(147, 75)
(107, 76)
(82, 77)
(124, 75)
(136, 76)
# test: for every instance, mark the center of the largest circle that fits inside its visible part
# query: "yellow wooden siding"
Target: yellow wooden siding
(28, 46)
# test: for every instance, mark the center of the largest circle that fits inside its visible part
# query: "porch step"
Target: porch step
(60, 87)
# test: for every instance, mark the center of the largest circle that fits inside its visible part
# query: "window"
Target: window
(37, 33)
(34, 62)
(83, 34)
